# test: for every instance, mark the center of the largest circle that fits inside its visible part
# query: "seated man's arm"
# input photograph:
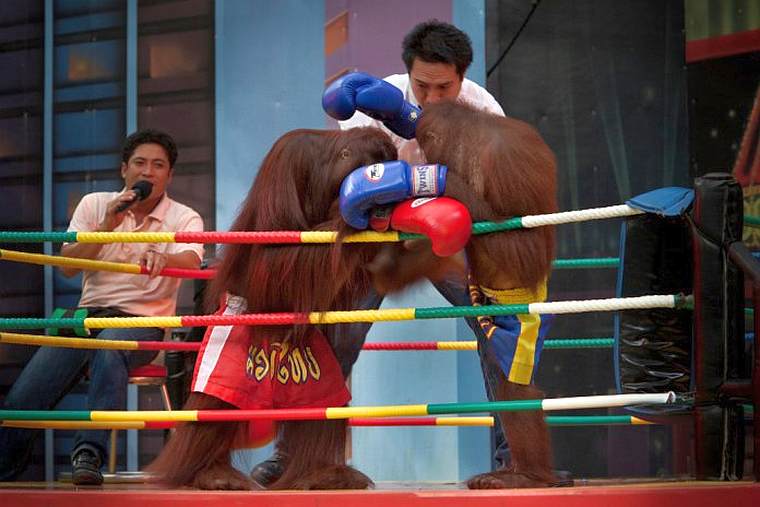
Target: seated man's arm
(85, 219)
(185, 260)
(188, 259)
(177, 255)
(80, 250)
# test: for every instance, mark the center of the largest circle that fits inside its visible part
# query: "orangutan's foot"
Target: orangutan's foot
(223, 476)
(509, 479)
(333, 477)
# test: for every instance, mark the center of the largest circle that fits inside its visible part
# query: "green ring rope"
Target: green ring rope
(751, 221)
(579, 343)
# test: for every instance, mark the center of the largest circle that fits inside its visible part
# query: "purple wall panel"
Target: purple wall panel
(375, 31)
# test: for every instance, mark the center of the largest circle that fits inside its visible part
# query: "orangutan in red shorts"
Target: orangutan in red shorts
(278, 366)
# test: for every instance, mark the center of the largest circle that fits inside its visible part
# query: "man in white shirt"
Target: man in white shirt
(436, 56)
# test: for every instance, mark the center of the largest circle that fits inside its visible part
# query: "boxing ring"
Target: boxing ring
(601, 494)
(679, 246)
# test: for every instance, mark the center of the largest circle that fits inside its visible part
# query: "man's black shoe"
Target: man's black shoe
(86, 469)
(267, 472)
(564, 479)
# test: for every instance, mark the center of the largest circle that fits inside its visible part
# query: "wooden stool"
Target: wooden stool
(148, 375)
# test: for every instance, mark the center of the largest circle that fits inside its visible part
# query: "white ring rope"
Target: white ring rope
(566, 217)
(605, 305)
(606, 401)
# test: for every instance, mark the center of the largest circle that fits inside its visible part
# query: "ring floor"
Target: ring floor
(586, 493)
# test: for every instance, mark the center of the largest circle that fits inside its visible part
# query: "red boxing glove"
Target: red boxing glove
(444, 220)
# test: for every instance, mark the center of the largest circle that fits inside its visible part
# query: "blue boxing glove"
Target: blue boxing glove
(374, 97)
(387, 182)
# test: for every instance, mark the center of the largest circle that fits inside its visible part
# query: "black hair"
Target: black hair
(149, 136)
(437, 42)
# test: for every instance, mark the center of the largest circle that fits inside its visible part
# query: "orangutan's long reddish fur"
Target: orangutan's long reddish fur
(499, 168)
(296, 189)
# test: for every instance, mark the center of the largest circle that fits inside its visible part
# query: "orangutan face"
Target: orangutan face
(354, 148)
(361, 147)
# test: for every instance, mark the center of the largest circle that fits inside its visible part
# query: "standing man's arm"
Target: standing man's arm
(371, 102)
(359, 120)
(491, 105)
(479, 98)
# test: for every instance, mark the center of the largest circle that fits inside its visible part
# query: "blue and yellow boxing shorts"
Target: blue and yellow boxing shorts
(515, 341)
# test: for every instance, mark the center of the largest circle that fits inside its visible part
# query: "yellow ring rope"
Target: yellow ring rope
(73, 343)
(131, 322)
(385, 411)
(469, 345)
(125, 237)
(337, 317)
(31, 258)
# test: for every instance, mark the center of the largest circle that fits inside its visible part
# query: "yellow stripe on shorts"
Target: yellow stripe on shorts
(521, 371)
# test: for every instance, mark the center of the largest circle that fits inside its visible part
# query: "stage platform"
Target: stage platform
(591, 493)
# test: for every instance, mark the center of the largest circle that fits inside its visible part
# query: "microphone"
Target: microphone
(142, 189)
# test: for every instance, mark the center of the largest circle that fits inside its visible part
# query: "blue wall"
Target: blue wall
(474, 457)
(269, 80)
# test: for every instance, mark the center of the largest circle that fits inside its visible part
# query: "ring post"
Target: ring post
(718, 329)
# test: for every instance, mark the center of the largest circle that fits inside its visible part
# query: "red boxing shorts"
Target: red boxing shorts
(266, 374)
